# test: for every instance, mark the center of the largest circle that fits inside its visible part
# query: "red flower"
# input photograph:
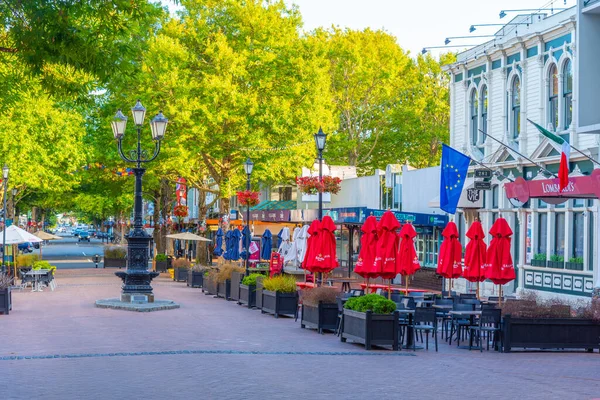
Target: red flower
(248, 198)
(312, 185)
(180, 211)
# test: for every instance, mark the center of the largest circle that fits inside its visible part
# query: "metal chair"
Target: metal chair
(340, 321)
(489, 322)
(425, 320)
(460, 324)
(443, 315)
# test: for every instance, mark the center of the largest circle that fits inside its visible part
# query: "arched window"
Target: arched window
(553, 97)
(484, 114)
(568, 93)
(515, 104)
(474, 118)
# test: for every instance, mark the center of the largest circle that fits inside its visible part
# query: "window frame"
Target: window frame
(484, 98)
(474, 114)
(553, 106)
(567, 94)
(515, 104)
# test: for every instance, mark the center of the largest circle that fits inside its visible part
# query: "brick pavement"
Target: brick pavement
(234, 353)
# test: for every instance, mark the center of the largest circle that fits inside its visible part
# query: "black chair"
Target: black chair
(494, 298)
(357, 292)
(468, 296)
(489, 323)
(425, 320)
(340, 304)
(442, 314)
(407, 302)
(475, 302)
(395, 296)
(460, 323)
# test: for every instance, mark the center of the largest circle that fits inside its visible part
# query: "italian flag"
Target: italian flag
(563, 169)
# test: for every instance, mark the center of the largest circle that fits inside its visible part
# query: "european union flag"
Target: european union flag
(454, 172)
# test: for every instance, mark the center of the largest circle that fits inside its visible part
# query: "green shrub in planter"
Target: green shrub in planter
(250, 280)
(280, 296)
(160, 257)
(556, 261)
(280, 283)
(371, 302)
(539, 260)
(370, 320)
(575, 263)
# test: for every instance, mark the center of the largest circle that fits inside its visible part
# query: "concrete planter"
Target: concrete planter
(247, 295)
(5, 301)
(550, 333)
(277, 303)
(195, 278)
(162, 266)
(371, 329)
(236, 281)
(180, 274)
(224, 290)
(322, 317)
(115, 263)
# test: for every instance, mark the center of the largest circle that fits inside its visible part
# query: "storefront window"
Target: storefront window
(578, 203)
(542, 233)
(542, 204)
(559, 234)
(495, 196)
(577, 235)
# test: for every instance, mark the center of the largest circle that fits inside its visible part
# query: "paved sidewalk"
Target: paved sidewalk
(213, 349)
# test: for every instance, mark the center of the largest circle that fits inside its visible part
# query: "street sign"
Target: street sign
(483, 185)
(483, 173)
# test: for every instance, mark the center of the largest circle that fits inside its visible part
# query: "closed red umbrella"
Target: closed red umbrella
(387, 246)
(450, 257)
(325, 248)
(368, 247)
(407, 261)
(499, 267)
(313, 232)
(475, 254)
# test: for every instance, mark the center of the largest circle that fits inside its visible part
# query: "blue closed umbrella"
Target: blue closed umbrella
(267, 245)
(227, 254)
(235, 245)
(279, 238)
(246, 238)
(219, 243)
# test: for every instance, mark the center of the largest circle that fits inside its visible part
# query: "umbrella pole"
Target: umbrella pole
(390, 289)
(477, 290)
(500, 294)
(406, 293)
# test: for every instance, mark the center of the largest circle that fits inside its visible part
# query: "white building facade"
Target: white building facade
(529, 72)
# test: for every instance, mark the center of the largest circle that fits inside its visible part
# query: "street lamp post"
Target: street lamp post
(248, 166)
(5, 182)
(320, 139)
(136, 278)
(14, 210)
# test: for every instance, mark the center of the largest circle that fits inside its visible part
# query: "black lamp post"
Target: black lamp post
(5, 182)
(248, 166)
(136, 278)
(14, 213)
(320, 139)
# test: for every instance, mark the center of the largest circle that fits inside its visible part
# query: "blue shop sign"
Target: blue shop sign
(413, 218)
(347, 215)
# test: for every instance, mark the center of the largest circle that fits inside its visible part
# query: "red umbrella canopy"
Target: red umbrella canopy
(407, 261)
(475, 254)
(311, 242)
(449, 263)
(368, 247)
(325, 249)
(500, 268)
(387, 246)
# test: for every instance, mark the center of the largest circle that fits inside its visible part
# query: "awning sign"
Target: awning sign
(578, 187)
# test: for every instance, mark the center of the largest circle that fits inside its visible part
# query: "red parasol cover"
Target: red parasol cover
(311, 242)
(407, 261)
(325, 248)
(500, 268)
(387, 246)
(365, 265)
(475, 254)
(450, 259)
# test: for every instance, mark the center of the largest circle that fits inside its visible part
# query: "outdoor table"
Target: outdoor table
(469, 314)
(346, 283)
(374, 286)
(36, 273)
(304, 285)
(443, 306)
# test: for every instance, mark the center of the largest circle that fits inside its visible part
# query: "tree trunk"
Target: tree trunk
(161, 209)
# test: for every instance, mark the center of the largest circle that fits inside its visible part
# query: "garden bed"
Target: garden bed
(370, 329)
(321, 317)
(277, 303)
(195, 278)
(247, 295)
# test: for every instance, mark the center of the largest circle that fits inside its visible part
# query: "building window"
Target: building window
(474, 118)
(568, 93)
(542, 204)
(495, 196)
(484, 115)
(542, 232)
(578, 202)
(559, 234)
(516, 108)
(577, 235)
(494, 217)
(553, 97)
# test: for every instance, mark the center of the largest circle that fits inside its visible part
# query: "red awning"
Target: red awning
(547, 189)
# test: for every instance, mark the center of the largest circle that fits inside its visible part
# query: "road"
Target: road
(68, 253)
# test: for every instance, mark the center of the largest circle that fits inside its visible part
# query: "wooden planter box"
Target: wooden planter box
(538, 263)
(115, 263)
(247, 295)
(574, 266)
(180, 274)
(371, 329)
(556, 264)
(259, 293)
(195, 278)
(224, 290)
(162, 266)
(277, 303)
(236, 281)
(558, 333)
(5, 301)
(323, 317)
(209, 286)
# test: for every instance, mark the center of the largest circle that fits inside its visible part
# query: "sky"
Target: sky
(418, 24)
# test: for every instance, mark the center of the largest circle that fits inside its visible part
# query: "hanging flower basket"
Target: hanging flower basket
(247, 198)
(312, 185)
(180, 211)
(332, 184)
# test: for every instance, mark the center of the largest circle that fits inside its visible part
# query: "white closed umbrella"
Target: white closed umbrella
(292, 252)
(301, 243)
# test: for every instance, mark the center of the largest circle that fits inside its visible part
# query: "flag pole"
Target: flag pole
(571, 146)
(520, 154)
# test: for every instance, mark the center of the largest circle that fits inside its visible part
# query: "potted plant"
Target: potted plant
(161, 263)
(209, 282)
(309, 184)
(575, 263)
(259, 291)
(331, 184)
(5, 294)
(539, 260)
(248, 198)
(248, 290)
(371, 320)
(319, 309)
(195, 276)
(115, 257)
(553, 324)
(236, 281)
(556, 261)
(181, 267)
(280, 296)
(224, 280)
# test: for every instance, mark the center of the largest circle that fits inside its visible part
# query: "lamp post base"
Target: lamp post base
(136, 278)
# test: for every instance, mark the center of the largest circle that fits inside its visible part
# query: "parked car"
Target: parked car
(92, 233)
(84, 236)
(25, 247)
